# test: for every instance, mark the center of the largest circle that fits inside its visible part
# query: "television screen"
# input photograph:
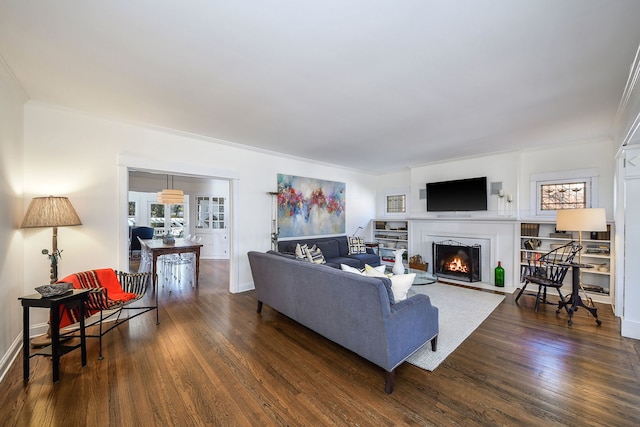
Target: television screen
(459, 195)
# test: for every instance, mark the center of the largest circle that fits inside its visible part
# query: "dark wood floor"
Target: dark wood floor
(214, 361)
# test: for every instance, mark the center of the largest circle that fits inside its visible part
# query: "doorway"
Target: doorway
(160, 169)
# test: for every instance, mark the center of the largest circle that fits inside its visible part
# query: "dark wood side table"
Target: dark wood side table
(76, 298)
(375, 246)
(574, 301)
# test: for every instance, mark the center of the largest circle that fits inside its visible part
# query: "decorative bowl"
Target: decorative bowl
(54, 290)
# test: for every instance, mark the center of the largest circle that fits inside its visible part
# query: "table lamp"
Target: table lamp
(587, 219)
(51, 212)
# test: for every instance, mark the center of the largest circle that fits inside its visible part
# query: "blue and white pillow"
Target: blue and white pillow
(315, 256)
(357, 246)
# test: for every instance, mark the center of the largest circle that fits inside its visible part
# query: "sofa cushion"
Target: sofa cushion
(357, 246)
(330, 248)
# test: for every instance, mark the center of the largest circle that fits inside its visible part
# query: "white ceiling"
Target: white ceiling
(368, 84)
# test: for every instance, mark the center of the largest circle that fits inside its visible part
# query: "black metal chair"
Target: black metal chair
(548, 271)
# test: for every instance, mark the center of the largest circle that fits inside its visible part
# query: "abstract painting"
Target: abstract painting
(309, 206)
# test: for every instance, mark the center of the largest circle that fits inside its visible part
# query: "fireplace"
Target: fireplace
(456, 260)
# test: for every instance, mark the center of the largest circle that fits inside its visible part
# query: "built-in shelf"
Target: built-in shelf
(391, 235)
(598, 252)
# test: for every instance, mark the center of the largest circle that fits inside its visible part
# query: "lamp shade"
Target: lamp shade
(171, 197)
(589, 219)
(50, 212)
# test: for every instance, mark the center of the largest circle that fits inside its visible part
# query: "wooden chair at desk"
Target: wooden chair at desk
(549, 271)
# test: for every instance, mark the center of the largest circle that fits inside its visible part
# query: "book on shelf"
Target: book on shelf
(527, 229)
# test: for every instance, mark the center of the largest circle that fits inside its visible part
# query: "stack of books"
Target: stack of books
(598, 249)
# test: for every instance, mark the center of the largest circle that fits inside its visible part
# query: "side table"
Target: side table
(574, 301)
(76, 298)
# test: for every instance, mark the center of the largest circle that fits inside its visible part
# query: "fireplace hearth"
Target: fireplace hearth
(456, 260)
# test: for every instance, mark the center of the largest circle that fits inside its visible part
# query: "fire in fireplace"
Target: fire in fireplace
(456, 260)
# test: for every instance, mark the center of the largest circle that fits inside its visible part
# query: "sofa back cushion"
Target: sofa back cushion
(289, 246)
(329, 248)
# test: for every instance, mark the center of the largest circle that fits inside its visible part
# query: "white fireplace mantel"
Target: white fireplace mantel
(497, 237)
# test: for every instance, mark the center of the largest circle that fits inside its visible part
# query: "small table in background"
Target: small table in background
(375, 246)
(157, 248)
(77, 297)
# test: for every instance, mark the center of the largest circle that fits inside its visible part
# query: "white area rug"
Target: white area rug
(460, 312)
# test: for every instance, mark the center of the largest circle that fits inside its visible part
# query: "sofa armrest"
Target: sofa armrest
(411, 324)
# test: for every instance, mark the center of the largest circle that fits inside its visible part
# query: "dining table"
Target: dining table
(158, 247)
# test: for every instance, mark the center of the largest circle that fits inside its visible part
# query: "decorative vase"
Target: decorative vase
(398, 267)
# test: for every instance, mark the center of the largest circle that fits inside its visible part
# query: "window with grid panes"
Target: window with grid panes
(397, 203)
(210, 212)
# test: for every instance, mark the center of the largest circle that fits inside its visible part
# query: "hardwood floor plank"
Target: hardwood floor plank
(214, 361)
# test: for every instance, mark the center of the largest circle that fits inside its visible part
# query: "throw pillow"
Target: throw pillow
(380, 268)
(315, 256)
(350, 269)
(357, 246)
(374, 272)
(400, 284)
(301, 251)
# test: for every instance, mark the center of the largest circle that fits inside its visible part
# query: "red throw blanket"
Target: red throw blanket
(101, 278)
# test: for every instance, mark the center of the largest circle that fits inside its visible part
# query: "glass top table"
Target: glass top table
(422, 277)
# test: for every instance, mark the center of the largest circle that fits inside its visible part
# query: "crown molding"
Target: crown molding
(623, 111)
(7, 75)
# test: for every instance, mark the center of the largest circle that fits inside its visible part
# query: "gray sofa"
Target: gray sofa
(354, 311)
(335, 251)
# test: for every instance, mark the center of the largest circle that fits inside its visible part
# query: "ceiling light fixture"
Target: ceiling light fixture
(169, 196)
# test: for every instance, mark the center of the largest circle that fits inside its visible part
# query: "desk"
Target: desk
(77, 297)
(157, 247)
(575, 301)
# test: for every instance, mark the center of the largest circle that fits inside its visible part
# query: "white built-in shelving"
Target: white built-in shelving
(597, 251)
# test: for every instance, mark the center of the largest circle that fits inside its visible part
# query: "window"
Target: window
(396, 203)
(210, 212)
(132, 214)
(162, 218)
(564, 190)
(566, 195)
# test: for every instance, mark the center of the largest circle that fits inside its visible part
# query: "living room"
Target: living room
(53, 149)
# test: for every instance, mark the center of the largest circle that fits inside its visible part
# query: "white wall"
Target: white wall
(79, 156)
(12, 258)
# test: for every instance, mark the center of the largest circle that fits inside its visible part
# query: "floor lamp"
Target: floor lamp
(588, 219)
(51, 212)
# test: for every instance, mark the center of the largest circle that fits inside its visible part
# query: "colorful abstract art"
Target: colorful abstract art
(310, 207)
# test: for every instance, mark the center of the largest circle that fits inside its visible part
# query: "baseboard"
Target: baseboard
(10, 356)
(245, 287)
(630, 329)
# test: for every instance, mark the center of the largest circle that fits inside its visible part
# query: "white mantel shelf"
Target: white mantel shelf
(468, 219)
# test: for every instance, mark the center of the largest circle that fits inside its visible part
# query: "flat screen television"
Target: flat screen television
(459, 195)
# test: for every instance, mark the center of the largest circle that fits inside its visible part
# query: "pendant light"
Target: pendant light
(169, 196)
